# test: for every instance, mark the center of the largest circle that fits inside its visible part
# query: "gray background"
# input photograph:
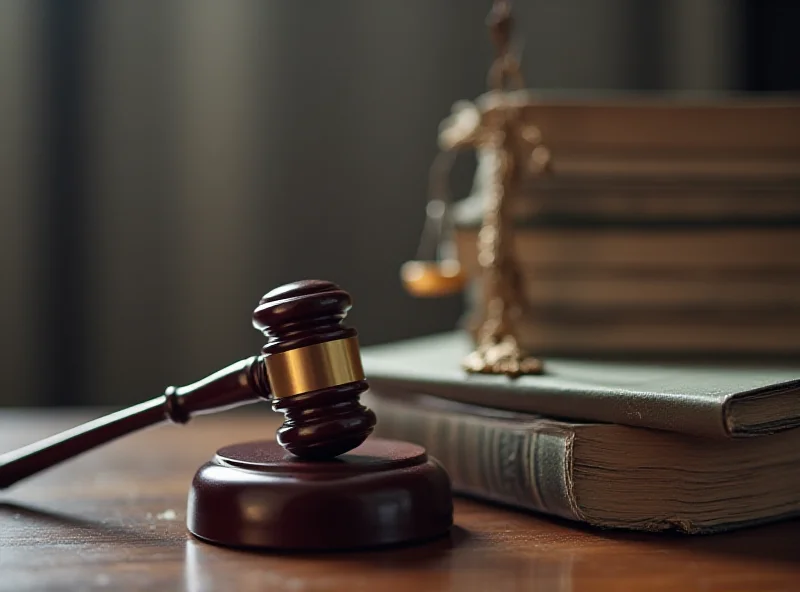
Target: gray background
(163, 164)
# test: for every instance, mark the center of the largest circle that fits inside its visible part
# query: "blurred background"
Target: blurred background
(164, 164)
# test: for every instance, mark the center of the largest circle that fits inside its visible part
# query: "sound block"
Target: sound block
(383, 492)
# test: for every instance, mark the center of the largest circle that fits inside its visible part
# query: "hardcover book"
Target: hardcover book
(660, 227)
(610, 476)
(714, 400)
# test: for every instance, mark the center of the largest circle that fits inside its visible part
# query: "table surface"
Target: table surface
(115, 519)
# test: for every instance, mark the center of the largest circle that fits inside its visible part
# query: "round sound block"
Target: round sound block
(256, 494)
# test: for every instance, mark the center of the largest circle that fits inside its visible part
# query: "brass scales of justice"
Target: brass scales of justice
(514, 148)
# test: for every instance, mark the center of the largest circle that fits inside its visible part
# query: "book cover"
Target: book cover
(719, 401)
(611, 476)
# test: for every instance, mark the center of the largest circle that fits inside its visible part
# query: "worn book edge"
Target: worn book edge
(535, 473)
(728, 397)
(536, 467)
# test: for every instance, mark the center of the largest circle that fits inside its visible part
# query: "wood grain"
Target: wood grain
(114, 519)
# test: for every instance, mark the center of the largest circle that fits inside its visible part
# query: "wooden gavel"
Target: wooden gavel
(310, 369)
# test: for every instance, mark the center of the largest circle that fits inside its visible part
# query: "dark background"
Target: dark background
(163, 164)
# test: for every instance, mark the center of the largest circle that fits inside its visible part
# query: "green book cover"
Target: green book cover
(721, 401)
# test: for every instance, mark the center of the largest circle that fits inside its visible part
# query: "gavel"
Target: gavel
(322, 483)
(310, 370)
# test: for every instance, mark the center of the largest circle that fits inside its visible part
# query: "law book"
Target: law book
(644, 137)
(721, 124)
(553, 199)
(691, 289)
(609, 476)
(717, 401)
(769, 334)
(634, 290)
(647, 248)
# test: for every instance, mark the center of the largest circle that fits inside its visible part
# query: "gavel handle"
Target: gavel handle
(239, 384)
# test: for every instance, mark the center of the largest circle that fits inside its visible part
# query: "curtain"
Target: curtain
(164, 164)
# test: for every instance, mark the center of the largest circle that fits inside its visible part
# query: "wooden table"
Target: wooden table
(114, 519)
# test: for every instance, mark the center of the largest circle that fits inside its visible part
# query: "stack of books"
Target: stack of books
(627, 445)
(665, 228)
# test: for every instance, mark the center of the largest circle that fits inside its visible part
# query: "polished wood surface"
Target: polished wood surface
(115, 519)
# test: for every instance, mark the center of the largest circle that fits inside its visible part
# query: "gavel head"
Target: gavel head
(314, 369)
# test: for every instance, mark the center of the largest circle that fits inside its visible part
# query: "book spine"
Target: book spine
(527, 465)
(541, 250)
